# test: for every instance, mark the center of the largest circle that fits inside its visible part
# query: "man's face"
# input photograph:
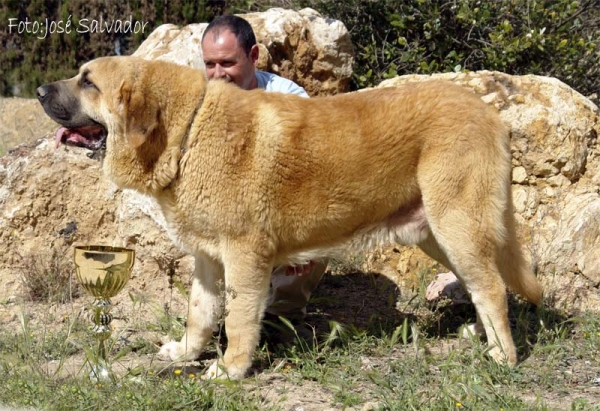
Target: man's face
(224, 58)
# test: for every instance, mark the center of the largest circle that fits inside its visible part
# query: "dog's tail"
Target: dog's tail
(515, 269)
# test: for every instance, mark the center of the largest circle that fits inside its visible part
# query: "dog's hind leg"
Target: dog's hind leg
(203, 311)
(472, 259)
(466, 213)
(431, 247)
(247, 279)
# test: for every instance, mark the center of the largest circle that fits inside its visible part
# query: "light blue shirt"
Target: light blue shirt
(273, 82)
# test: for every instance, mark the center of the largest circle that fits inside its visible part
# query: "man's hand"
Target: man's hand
(300, 270)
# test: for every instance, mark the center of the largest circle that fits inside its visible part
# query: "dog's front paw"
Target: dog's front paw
(502, 356)
(176, 351)
(218, 371)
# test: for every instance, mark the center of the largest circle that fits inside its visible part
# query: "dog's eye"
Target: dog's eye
(86, 83)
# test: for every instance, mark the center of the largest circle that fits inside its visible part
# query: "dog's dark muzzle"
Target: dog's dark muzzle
(63, 107)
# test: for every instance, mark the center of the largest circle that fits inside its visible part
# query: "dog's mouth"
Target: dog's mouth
(91, 137)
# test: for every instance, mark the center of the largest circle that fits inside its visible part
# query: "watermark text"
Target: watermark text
(46, 27)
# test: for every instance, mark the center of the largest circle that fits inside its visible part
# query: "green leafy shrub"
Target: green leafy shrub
(559, 38)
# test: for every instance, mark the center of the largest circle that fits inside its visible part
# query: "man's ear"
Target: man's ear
(139, 112)
(254, 53)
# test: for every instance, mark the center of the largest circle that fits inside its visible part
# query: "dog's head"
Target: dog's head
(124, 101)
(103, 99)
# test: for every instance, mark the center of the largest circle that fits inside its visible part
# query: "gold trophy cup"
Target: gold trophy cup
(103, 271)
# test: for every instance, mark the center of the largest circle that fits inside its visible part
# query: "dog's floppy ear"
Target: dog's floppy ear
(139, 111)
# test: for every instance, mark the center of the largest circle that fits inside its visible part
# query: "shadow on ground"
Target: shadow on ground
(374, 306)
(373, 303)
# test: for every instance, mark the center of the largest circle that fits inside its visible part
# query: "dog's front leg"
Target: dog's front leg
(247, 279)
(204, 309)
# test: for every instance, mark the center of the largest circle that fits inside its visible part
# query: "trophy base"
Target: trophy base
(100, 374)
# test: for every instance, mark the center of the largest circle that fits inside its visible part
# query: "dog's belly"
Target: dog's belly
(406, 226)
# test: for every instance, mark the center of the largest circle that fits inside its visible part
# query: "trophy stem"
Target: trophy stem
(101, 318)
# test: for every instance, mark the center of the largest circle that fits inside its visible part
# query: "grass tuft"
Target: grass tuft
(49, 277)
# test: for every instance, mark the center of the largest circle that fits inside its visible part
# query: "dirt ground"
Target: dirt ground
(22, 121)
(351, 297)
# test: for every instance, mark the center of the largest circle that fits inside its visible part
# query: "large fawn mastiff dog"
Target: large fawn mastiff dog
(249, 179)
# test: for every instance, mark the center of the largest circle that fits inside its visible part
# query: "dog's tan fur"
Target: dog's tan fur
(249, 179)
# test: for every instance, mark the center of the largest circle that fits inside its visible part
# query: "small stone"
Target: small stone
(558, 181)
(370, 406)
(520, 197)
(519, 175)
(517, 98)
(549, 192)
(489, 98)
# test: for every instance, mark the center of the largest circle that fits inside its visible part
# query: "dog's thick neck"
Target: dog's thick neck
(154, 158)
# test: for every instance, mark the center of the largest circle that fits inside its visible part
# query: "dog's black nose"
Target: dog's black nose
(42, 92)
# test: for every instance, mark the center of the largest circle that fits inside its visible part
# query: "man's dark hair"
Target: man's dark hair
(238, 26)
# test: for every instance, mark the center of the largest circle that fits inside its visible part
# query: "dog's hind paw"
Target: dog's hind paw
(471, 330)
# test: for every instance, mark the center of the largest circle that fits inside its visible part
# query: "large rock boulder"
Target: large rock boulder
(300, 45)
(556, 178)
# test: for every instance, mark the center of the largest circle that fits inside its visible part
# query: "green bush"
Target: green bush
(559, 38)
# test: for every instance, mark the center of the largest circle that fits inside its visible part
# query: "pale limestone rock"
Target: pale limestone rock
(519, 175)
(556, 173)
(520, 199)
(170, 43)
(300, 45)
